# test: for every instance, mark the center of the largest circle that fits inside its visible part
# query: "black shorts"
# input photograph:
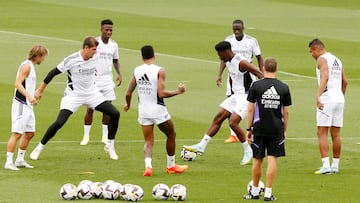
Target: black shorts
(274, 146)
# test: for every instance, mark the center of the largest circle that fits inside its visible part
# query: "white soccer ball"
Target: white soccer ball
(68, 191)
(84, 191)
(178, 192)
(123, 191)
(110, 191)
(187, 155)
(161, 192)
(134, 193)
(250, 185)
(109, 181)
(118, 185)
(97, 189)
(89, 182)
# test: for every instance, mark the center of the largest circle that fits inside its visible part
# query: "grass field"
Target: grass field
(183, 34)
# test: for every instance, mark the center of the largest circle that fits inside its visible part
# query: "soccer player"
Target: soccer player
(107, 55)
(22, 113)
(80, 90)
(245, 45)
(234, 107)
(150, 82)
(269, 101)
(330, 104)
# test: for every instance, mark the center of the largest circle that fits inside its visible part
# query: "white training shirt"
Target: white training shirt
(29, 84)
(333, 91)
(236, 76)
(81, 74)
(150, 104)
(105, 54)
(248, 46)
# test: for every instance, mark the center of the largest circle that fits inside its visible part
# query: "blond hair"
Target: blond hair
(37, 51)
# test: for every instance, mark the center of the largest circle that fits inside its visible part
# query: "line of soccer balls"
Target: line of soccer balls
(112, 190)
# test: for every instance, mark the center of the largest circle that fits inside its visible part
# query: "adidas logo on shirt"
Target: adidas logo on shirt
(144, 80)
(271, 93)
(270, 98)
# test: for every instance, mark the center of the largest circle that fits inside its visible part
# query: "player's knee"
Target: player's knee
(115, 114)
(233, 123)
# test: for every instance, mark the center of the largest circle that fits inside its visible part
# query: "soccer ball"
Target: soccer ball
(88, 182)
(161, 192)
(187, 155)
(178, 192)
(118, 186)
(134, 193)
(123, 191)
(84, 191)
(261, 186)
(110, 191)
(109, 181)
(68, 191)
(97, 189)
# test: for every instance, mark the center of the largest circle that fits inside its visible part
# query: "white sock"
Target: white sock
(255, 191)
(111, 144)
(246, 146)
(335, 163)
(9, 157)
(40, 146)
(204, 141)
(87, 130)
(170, 161)
(148, 162)
(20, 155)
(325, 162)
(105, 131)
(268, 192)
(232, 133)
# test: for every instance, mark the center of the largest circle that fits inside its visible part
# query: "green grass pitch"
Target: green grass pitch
(183, 34)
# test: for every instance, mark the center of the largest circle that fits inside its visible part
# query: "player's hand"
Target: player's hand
(33, 101)
(181, 88)
(219, 82)
(319, 104)
(38, 95)
(249, 137)
(119, 80)
(126, 108)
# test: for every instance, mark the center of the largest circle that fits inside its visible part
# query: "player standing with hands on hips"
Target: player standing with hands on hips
(330, 103)
(268, 116)
(150, 81)
(22, 111)
(80, 90)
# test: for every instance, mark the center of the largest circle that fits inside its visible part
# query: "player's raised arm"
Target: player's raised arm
(163, 93)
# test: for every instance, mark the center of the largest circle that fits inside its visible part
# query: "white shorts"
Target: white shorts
(22, 118)
(152, 121)
(109, 94)
(331, 115)
(73, 101)
(236, 103)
